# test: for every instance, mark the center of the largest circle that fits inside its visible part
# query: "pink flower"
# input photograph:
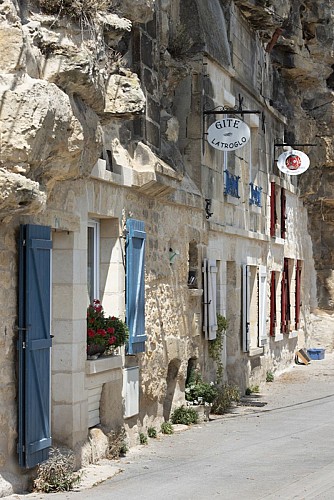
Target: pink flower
(101, 332)
(97, 301)
(111, 330)
(91, 320)
(112, 340)
(90, 333)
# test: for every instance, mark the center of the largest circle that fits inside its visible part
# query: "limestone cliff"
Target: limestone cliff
(300, 36)
(61, 76)
(66, 72)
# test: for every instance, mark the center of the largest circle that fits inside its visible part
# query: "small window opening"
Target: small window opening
(193, 265)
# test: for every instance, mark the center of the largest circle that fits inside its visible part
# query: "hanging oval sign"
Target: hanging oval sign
(293, 162)
(228, 134)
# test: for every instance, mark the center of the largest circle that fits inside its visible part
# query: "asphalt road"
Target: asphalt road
(279, 445)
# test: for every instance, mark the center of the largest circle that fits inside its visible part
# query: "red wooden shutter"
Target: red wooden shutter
(298, 297)
(283, 213)
(273, 303)
(273, 215)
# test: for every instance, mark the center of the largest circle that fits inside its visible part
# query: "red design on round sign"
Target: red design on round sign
(293, 162)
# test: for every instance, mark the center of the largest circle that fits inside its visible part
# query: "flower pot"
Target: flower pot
(203, 412)
(95, 350)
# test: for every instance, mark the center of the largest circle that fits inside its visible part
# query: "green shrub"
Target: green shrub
(269, 377)
(167, 428)
(198, 391)
(226, 395)
(252, 389)
(152, 432)
(216, 347)
(184, 415)
(143, 438)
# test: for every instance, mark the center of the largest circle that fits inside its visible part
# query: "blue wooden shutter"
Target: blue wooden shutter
(135, 285)
(34, 344)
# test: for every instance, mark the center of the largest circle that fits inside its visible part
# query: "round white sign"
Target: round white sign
(293, 162)
(228, 134)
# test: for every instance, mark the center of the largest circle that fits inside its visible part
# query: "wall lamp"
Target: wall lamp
(172, 255)
(208, 204)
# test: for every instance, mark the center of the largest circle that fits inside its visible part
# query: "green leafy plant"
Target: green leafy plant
(57, 473)
(226, 395)
(216, 347)
(184, 415)
(143, 438)
(252, 389)
(199, 392)
(167, 428)
(269, 376)
(103, 333)
(152, 432)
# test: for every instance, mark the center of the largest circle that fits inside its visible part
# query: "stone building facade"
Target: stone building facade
(106, 123)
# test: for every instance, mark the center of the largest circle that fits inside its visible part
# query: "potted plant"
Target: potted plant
(104, 334)
(200, 394)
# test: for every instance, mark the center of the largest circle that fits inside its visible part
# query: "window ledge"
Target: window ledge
(232, 199)
(195, 292)
(278, 241)
(279, 336)
(103, 364)
(256, 351)
(255, 209)
(123, 177)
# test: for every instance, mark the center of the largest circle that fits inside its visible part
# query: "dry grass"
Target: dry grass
(57, 473)
(74, 8)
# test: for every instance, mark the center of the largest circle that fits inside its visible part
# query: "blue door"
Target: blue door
(34, 344)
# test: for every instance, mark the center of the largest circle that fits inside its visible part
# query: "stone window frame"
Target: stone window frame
(93, 275)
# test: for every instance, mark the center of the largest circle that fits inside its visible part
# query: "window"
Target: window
(209, 298)
(273, 311)
(283, 214)
(285, 298)
(254, 308)
(273, 213)
(277, 206)
(93, 257)
(298, 301)
(255, 195)
(231, 184)
(193, 265)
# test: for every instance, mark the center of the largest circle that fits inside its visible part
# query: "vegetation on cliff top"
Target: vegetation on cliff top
(74, 8)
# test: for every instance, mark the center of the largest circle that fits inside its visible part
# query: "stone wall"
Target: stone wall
(303, 91)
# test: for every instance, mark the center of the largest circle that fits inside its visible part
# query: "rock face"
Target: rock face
(56, 85)
(71, 98)
(303, 56)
